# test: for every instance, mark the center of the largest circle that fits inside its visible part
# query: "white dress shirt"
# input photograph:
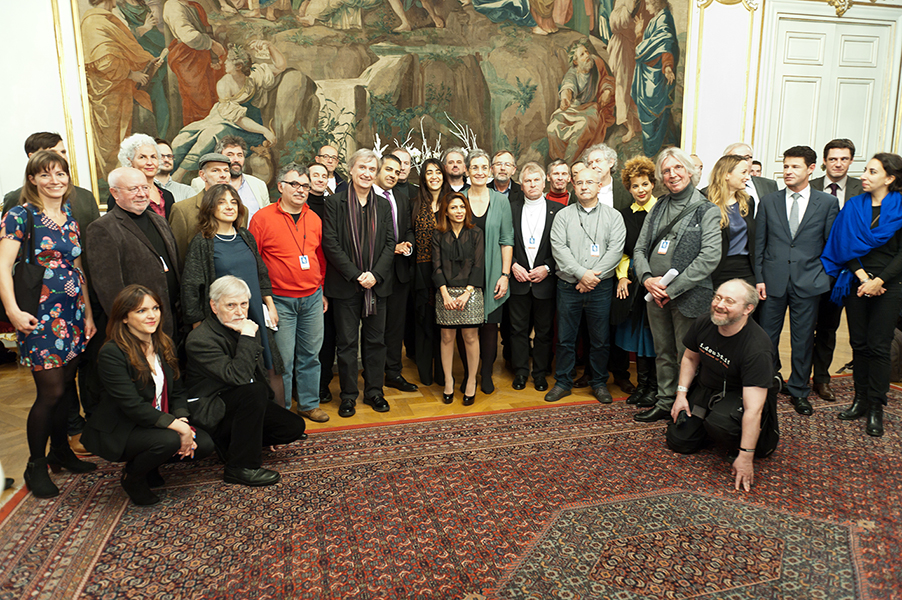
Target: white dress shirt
(532, 225)
(840, 190)
(803, 202)
(606, 194)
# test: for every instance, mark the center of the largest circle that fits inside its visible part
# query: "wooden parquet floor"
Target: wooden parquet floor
(17, 395)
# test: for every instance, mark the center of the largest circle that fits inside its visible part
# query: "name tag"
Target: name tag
(594, 250)
(665, 244)
(531, 245)
(305, 263)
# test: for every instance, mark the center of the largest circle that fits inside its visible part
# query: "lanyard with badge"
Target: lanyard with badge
(531, 243)
(305, 260)
(594, 249)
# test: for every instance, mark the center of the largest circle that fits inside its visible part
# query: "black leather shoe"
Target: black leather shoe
(252, 477)
(303, 436)
(378, 403)
(519, 382)
(541, 384)
(138, 490)
(602, 394)
(875, 419)
(399, 383)
(824, 391)
(802, 406)
(325, 396)
(346, 409)
(783, 389)
(858, 409)
(62, 457)
(650, 416)
(625, 385)
(487, 386)
(648, 398)
(581, 382)
(154, 479)
(556, 393)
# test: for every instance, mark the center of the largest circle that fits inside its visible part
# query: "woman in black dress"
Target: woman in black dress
(142, 418)
(737, 220)
(224, 246)
(458, 259)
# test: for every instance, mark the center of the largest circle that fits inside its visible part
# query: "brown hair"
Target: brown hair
(41, 161)
(206, 221)
(637, 166)
(718, 193)
(130, 299)
(441, 219)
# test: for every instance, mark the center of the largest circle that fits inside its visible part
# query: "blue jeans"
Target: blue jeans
(299, 338)
(570, 306)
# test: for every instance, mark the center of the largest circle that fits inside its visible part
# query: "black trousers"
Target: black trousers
(327, 352)
(148, 448)
(427, 338)
(348, 324)
(829, 315)
(529, 313)
(395, 320)
(252, 421)
(872, 323)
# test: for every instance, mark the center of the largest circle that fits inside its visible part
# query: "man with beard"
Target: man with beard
(252, 191)
(558, 180)
(503, 168)
(586, 107)
(179, 191)
(453, 161)
(733, 399)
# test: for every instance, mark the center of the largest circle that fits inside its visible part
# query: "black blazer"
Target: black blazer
(547, 288)
(126, 403)
(725, 241)
(403, 265)
(515, 194)
(342, 272)
(168, 200)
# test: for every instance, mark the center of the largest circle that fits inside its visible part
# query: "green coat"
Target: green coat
(499, 232)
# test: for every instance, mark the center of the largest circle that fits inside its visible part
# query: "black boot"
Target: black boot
(641, 380)
(38, 479)
(62, 457)
(875, 419)
(856, 411)
(650, 397)
(137, 489)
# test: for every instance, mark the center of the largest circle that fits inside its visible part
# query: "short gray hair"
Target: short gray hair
(682, 157)
(474, 154)
(228, 286)
(530, 168)
(364, 155)
(292, 166)
(130, 145)
(609, 154)
(455, 150)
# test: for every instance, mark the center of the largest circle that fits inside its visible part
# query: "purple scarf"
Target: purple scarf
(363, 257)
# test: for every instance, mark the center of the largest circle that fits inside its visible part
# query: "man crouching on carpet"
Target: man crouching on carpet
(732, 401)
(228, 379)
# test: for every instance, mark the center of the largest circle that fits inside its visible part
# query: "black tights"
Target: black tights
(48, 416)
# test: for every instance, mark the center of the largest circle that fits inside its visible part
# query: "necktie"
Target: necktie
(794, 215)
(833, 187)
(394, 213)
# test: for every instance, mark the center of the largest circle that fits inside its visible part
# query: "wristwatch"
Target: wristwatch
(508, 275)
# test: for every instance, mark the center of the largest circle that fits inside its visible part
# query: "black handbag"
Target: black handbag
(28, 276)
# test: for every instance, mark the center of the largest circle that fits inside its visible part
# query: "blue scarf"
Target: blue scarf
(852, 237)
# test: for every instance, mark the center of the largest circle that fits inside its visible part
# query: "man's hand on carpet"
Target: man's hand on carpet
(744, 470)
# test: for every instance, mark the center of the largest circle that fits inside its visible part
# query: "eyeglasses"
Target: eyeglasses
(134, 189)
(673, 170)
(508, 165)
(297, 185)
(584, 183)
(725, 299)
(328, 156)
(166, 155)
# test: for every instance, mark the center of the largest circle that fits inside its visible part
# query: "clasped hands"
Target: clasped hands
(534, 275)
(658, 292)
(458, 303)
(186, 437)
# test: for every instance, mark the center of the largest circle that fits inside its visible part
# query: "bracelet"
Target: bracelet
(508, 275)
(746, 450)
(682, 388)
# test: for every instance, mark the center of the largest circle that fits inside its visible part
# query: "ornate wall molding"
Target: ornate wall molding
(750, 5)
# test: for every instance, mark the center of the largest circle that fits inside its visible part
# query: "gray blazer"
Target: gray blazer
(853, 186)
(781, 259)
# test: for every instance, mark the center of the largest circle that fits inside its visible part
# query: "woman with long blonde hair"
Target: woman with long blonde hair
(737, 219)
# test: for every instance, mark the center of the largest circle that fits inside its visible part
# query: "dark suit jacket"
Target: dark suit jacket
(341, 183)
(514, 195)
(126, 403)
(725, 240)
(547, 288)
(853, 186)
(168, 199)
(403, 265)
(220, 359)
(622, 198)
(82, 203)
(119, 254)
(780, 258)
(342, 271)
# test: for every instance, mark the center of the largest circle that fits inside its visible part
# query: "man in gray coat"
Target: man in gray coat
(681, 234)
(792, 226)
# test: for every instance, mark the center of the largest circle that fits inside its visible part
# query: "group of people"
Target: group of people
(218, 310)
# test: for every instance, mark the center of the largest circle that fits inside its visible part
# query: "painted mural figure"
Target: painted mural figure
(654, 81)
(143, 23)
(114, 61)
(498, 11)
(586, 105)
(243, 90)
(621, 38)
(339, 14)
(190, 57)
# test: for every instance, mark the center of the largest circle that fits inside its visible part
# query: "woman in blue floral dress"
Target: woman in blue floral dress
(51, 340)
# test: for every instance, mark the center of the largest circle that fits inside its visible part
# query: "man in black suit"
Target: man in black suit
(757, 187)
(396, 308)
(792, 227)
(359, 244)
(404, 186)
(838, 157)
(503, 168)
(533, 283)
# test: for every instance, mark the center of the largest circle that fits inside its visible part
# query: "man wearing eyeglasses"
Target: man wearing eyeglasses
(328, 157)
(503, 168)
(289, 238)
(214, 168)
(732, 400)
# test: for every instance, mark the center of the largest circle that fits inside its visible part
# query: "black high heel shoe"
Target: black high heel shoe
(138, 490)
(62, 457)
(469, 400)
(448, 398)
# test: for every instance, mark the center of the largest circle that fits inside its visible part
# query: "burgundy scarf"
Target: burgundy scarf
(363, 257)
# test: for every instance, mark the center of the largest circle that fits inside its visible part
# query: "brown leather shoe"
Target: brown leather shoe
(316, 415)
(77, 447)
(823, 390)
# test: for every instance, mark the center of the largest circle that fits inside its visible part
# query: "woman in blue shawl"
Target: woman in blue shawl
(865, 249)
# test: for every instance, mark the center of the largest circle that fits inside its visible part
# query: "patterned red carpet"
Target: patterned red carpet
(570, 501)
